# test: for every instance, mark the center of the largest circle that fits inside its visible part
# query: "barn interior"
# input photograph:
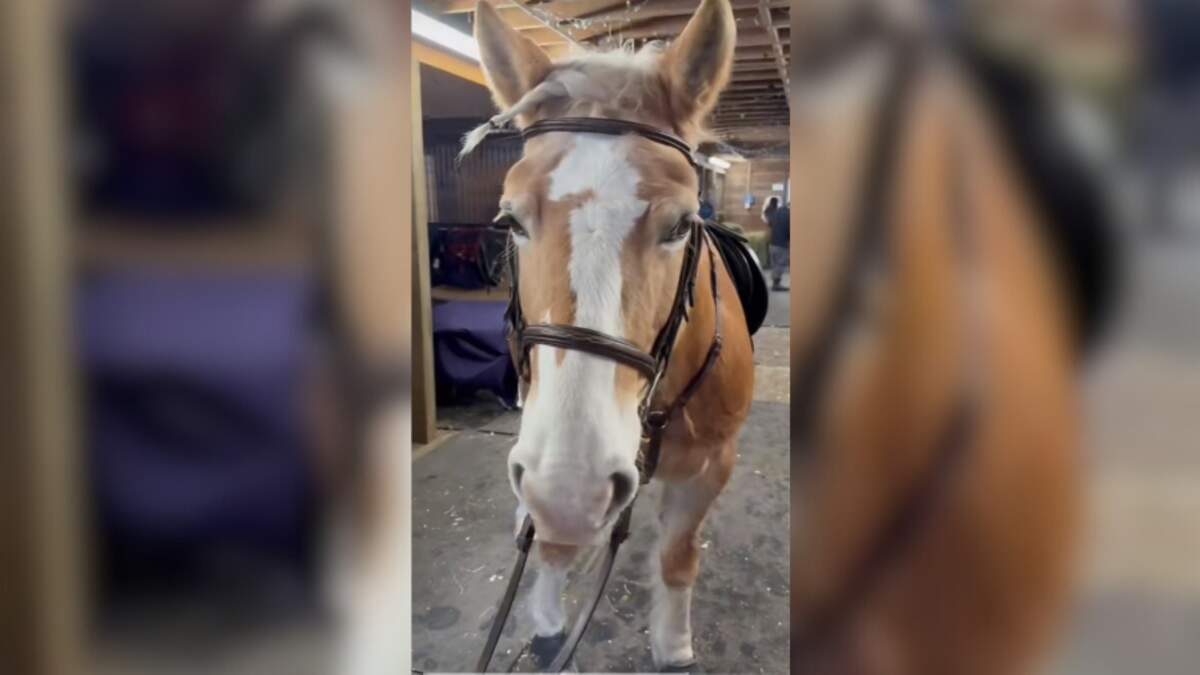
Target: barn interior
(745, 162)
(463, 505)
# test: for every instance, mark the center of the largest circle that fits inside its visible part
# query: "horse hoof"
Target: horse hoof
(545, 648)
(681, 668)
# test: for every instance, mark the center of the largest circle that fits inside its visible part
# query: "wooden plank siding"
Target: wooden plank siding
(756, 177)
(466, 193)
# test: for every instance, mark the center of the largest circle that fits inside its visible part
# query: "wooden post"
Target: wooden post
(424, 397)
(41, 556)
(371, 184)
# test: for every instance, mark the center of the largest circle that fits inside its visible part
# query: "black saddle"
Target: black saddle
(744, 268)
(1067, 190)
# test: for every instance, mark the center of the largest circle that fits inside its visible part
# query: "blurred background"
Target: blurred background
(1116, 86)
(1127, 83)
(206, 323)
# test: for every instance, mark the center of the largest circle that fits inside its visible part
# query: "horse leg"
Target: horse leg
(681, 513)
(546, 598)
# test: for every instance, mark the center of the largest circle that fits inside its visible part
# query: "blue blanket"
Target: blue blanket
(471, 351)
(194, 416)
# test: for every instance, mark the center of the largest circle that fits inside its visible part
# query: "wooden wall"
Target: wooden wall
(756, 177)
(466, 192)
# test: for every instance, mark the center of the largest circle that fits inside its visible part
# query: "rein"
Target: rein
(954, 439)
(655, 415)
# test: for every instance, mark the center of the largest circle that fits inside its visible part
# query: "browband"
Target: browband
(611, 127)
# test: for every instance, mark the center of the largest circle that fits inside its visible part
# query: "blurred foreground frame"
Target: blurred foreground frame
(46, 562)
(42, 608)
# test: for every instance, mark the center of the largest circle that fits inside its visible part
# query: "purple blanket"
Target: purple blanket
(194, 416)
(471, 352)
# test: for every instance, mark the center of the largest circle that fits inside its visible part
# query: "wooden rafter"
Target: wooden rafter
(466, 6)
(747, 107)
(669, 19)
(735, 115)
(755, 76)
(750, 121)
(758, 91)
(543, 35)
(777, 96)
(768, 24)
(671, 28)
(523, 5)
(750, 64)
(741, 85)
(593, 9)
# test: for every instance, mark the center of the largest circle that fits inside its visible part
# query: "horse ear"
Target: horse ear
(512, 63)
(700, 60)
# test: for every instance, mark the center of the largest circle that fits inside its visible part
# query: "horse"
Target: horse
(940, 491)
(602, 225)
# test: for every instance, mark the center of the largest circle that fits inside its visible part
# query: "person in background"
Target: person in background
(777, 216)
(1169, 134)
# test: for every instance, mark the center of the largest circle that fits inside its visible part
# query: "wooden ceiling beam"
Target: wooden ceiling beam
(668, 30)
(751, 114)
(768, 24)
(544, 36)
(761, 83)
(750, 65)
(756, 76)
(750, 122)
(778, 105)
(523, 5)
(765, 135)
(676, 8)
(760, 96)
(750, 107)
(560, 9)
(669, 20)
(757, 54)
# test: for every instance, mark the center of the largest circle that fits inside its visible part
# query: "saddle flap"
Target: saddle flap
(744, 268)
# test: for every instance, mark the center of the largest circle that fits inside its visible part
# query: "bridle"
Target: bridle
(655, 416)
(652, 365)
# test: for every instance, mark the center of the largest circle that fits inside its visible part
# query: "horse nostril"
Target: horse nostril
(622, 489)
(517, 472)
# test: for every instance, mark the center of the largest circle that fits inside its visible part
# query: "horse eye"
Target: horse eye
(506, 221)
(679, 230)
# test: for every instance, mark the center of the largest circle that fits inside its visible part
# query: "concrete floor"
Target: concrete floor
(463, 549)
(1139, 610)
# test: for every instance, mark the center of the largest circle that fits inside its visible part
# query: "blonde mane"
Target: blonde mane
(621, 80)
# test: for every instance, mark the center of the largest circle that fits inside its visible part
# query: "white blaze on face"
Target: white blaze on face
(573, 426)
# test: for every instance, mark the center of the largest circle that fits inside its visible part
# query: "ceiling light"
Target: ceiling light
(424, 26)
